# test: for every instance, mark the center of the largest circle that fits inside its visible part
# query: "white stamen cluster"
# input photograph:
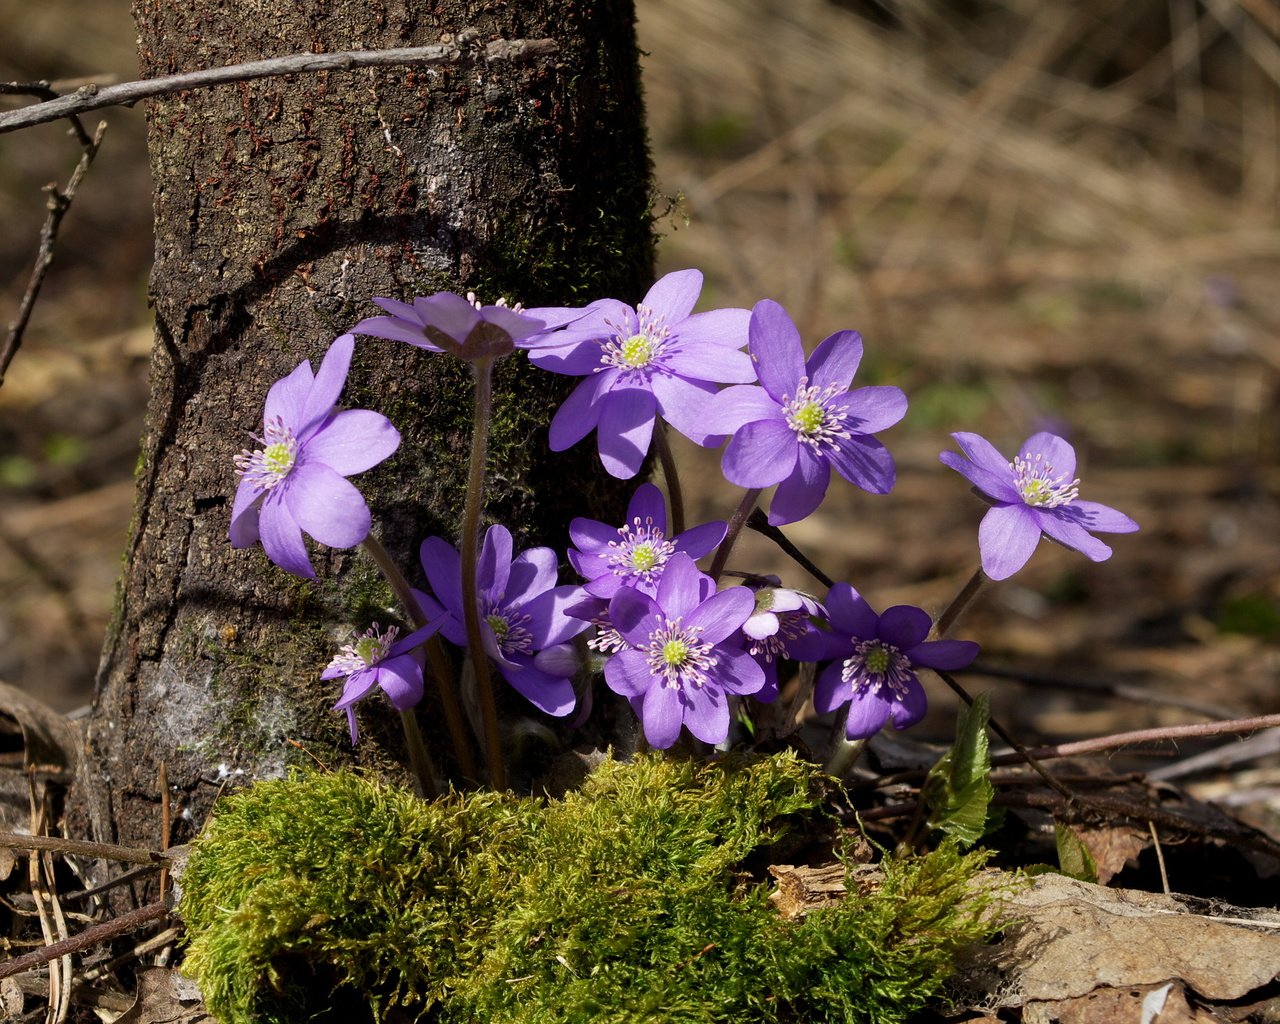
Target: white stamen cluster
(607, 639)
(270, 464)
(636, 352)
(676, 653)
(1039, 486)
(641, 553)
(791, 626)
(809, 416)
(875, 665)
(365, 651)
(471, 298)
(510, 629)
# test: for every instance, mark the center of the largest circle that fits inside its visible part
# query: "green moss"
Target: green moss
(322, 895)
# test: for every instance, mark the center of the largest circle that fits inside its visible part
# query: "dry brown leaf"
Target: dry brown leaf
(165, 997)
(1133, 1004)
(1073, 937)
(1112, 848)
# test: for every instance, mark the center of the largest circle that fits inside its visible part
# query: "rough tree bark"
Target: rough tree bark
(281, 206)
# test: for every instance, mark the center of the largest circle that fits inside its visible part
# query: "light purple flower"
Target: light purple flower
(1036, 493)
(636, 553)
(781, 626)
(803, 419)
(296, 482)
(375, 658)
(445, 322)
(658, 358)
(682, 661)
(522, 612)
(876, 657)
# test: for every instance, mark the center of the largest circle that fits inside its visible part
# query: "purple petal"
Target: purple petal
(943, 654)
(646, 505)
(722, 614)
(867, 714)
(532, 572)
(872, 409)
(355, 687)
(830, 691)
(395, 329)
(443, 566)
(849, 612)
(680, 589)
(1101, 518)
(557, 660)
(401, 678)
(700, 540)
(864, 461)
(1056, 451)
(580, 413)
(682, 403)
(591, 537)
(835, 361)
(288, 397)
(353, 441)
(244, 515)
(401, 310)
(674, 295)
(628, 673)
(777, 349)
(761, 454)
(1006, 537)
(493, 567)
(706, 713)
(722, 328)
(448, 313)
(737, 405)
(326, 505)
(801, 492)
(996, 485)
(663, 714)
(328, 383)
(983, 454)
(738, 672)
(624, 431)
(710, 362)
(419, 636)
(549, 621)
(1071, 534)
(282, 538)
(904, 626)
(911, 708)
(634, 615)
(552, 695)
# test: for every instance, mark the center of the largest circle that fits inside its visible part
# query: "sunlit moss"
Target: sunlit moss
(332, 897)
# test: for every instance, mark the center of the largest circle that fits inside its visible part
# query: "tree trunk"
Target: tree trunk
(281, 207)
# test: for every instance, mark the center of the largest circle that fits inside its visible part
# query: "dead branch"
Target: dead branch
(91, 936)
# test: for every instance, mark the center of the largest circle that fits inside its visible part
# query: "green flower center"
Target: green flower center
(643, 557)
(499, 625)
(675, 652)
(277, 458)
(636, 352)
(809, 418)
(877, 660)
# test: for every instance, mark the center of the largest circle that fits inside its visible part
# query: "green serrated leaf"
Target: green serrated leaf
(958, 789)
(1074, 858)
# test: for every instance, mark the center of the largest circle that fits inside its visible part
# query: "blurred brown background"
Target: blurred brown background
(1040, 216)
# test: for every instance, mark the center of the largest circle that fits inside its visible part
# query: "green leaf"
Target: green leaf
(1074, 858)
(958, 789)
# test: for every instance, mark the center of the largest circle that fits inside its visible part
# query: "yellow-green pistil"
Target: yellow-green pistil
(678, 656)
(272, 463)
(1039, 486)
(639, 350)
(810, 415)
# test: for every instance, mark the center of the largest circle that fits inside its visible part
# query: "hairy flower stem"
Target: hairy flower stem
(739, 520)
(843, 753)
(671, 476)
(419, 759)
(958, 604)
(483, 370)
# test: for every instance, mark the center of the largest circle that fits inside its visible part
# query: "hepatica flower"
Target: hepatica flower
(875, 661)
(522, 612)
(636, 553)
(659, 358)
(295, 482)
(375, 658)
(781, 626)
(463, 327)
(802, 419)
(1036, 493)
(681, 661)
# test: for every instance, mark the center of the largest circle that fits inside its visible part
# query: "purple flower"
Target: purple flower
(445, 322)
(375, 658)
(876, 657)
(295, 482)
(639, 363)
(803, 419)
(681, 661)
(1035, 493)
(636, 553)
(781, 626)
(522, 612)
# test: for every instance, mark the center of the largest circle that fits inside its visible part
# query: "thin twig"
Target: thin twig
(759, 522)
(92, 97)
(59, 202)
(91, 936)
(44, 91)
(106, 851)
(671, 475)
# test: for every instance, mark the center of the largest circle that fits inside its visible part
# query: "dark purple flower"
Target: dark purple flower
(522, 612)
(659, 358)
(445, 322)
(1035, 493)
(636, 553)
(375, 658)
(781, 626)
(295, 482)
(875, 661)
(681, 662)
(802, 419)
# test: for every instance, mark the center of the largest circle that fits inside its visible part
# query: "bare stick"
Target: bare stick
(759, 522)
(91, 936)
(44, 91)
(106, 851)
(59, 203)
(92, 97)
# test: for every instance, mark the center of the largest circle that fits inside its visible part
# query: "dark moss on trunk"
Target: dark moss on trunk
(281, 207)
